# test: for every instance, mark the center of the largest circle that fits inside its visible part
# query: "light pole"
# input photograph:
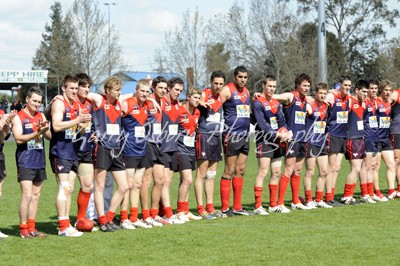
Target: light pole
(109, 37)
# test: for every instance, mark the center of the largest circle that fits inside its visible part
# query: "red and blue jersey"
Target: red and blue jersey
(83, 142)
(338, 115)
(31, 154)
(268, 118)
(169, 125)
(62, 142)
(107, 124)
(295, 115)
(383, 114)
(153, 125)
(210, 118)
(355, 125)
(133, 124)
(237, 111)
(395, 116)
(316, 124)
(371, 124)
(187, 130)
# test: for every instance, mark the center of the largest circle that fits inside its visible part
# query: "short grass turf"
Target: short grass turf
(368, 234)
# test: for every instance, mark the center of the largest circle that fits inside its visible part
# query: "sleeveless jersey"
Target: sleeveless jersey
(83, 142)
(153, 125)
(210, 118)
(133, 124)
(383, 113)
(371, 120)
(187, 130)
(338, 115)
(31, 154)
(169, 125)
(316, 124)
(268, 118)
(107, 124)
(395, 116)
(295, 115)
(237, 111)
(62, 142)
(355, 125)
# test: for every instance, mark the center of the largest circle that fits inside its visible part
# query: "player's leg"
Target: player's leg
(26, 197)
(263, 168)
(199, 184)
(85, 175)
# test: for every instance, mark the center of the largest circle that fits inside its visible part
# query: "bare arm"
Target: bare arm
(284, 98)
(57, 113)
(225, 94)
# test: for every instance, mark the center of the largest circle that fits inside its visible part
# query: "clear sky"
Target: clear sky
(141, 25)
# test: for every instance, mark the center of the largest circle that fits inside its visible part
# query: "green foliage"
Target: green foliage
(338, 236)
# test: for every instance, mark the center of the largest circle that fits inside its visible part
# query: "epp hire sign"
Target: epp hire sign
(29, 76)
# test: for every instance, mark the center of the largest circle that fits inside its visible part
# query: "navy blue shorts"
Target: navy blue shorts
(153, 155)
(186, 162)
(313, 151)
(295, 149)
(336, 144)
(208, 147)
(109, 160)
(235, 144)
(134, 162)
(63, 166)
(34, 175)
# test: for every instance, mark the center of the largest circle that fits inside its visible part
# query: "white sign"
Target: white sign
(29, 76)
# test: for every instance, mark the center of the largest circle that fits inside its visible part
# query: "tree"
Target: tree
(92, 40)
(217, 58)
(185, 47)
(55, 52)
(358, 25)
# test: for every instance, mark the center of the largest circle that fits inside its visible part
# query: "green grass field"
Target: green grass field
(350, 235)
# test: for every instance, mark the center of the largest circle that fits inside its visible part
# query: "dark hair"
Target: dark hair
(84, 79)
(267, 78)
(373, 81)
(362, 84)
(300, 78)
(321, 86)
(343, 78)
(157, 80)
(175, 80)
(217, 74)
(69, 78)
(238, 69)
(34, 90)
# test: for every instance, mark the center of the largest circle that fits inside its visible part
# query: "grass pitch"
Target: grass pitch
(368, 234)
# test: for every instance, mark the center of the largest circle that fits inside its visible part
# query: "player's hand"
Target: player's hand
(310, 100)
(84, 117)
(205, 104)
(256, 95)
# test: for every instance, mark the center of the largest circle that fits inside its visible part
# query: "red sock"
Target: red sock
(31, 225)
(200, 209)
(134, 214)
(103, 219)
(295, 185)
(398, 187)
(237, 184)
(258, 196)
(390, 191)
(63, 224)
(186, 206)
(145, 214)
(370, 186)
(308, 194)
(180, 206)
(82, 201)
(378, 192)
(328, 197)
(110, 216)
(283, 183)
(348, 190)
(153, 212)
(225, 191)
(273, 191)
(353, 188)
(210, 207)
(333, 192)
(124, 215)
(319, 195)
(168, 212)
(364, 189)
